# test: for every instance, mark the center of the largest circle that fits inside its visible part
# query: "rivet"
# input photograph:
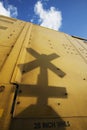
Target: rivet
(20, 91)
(10, 34)
(58, 103)
(58, 69)
(66, 93)
(7, 54)
(12, 46)
(18, 102)
(23, 71)
(2, 87)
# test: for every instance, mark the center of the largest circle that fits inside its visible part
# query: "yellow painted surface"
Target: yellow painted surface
(50, 69)
(6, 101)
(1, 112)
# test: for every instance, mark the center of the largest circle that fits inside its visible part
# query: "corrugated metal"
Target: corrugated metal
(50, 70)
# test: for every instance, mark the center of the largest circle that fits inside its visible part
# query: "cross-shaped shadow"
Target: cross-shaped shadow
(41, 90)
(42, 61)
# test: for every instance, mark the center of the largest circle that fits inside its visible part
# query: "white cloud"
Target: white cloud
(51, 18)
(10, 11)
(3, 11)
(32, 20)
(13, 11)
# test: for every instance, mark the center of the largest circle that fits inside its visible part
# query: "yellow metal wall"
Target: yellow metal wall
(50, 69)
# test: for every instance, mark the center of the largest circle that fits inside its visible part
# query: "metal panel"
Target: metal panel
(4, 53)
(11, 34)
(9, 65)
(50, 85)
(50, 70)
(79, 47)
(6, 100)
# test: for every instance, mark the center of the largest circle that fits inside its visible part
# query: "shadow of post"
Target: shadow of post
(40, 115)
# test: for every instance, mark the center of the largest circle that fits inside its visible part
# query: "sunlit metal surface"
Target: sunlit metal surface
(45, 77)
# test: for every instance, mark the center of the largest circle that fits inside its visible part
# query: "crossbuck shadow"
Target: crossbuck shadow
(41, 90)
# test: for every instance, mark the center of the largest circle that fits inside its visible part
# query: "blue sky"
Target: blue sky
(69, 16)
